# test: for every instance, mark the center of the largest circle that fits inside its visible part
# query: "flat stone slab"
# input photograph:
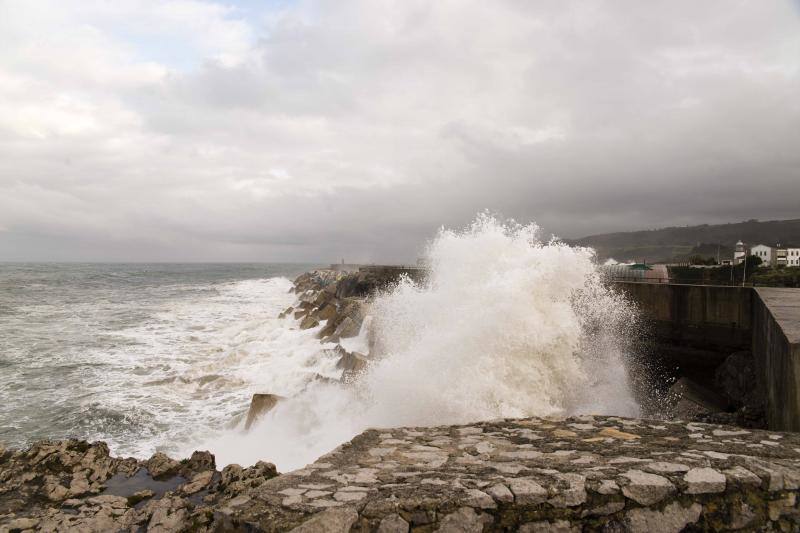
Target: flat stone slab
(784, 305)
(576, 474)
(586, 473)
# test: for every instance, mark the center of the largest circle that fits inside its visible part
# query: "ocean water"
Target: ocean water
(166, 357)
(143, 356)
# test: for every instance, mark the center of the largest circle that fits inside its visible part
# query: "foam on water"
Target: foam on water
(507, 326)
(145, 357)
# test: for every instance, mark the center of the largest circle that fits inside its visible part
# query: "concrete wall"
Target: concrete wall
(705, 323)
(712, 318)
(776, 346)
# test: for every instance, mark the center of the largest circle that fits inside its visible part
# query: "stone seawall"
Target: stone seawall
(700, 326)
(533, 475)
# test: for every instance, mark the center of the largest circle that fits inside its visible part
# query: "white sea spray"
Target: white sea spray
(507, 325)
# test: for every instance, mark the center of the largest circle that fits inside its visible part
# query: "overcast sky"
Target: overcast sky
(312, 130)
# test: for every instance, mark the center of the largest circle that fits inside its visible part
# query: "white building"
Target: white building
(793, 257)
(766, 253)
(780, 255)
(740, 252)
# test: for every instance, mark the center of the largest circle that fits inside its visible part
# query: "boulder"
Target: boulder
(308, 297)
(736, 379)
(159, 465)
(347, 328)
(259, 406)
(323, 297)
(288, 311)
(351, 363)
(329, 329)
(309, 322)
(200, 461)
(692, 399)
(326, 312)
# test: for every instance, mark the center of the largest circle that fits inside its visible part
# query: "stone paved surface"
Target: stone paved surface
(590, 473)
(577, 474)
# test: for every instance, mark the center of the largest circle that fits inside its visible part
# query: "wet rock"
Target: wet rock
(352, 363)
(692, 399)
(140, 496)
(309, 322)
(347, 328)
(201, 461)
(736, 378)
(260, 405)
(231, 474)
(159, 465)
(327, 312)
(198, 482)
(169, 514)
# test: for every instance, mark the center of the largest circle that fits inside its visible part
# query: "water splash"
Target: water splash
(507, 325)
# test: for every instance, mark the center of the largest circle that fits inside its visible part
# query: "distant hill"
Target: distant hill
(668, 244)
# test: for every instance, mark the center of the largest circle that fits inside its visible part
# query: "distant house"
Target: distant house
(765, 253)
(792, 256)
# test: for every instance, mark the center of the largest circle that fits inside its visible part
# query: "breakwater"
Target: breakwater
(699, 327)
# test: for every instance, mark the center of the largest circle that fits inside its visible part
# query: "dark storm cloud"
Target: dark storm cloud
(355, 129)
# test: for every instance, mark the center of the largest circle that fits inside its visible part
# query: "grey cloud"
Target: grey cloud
(357, 131)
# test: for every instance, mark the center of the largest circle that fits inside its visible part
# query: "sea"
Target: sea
(166, 357)
(142, 356)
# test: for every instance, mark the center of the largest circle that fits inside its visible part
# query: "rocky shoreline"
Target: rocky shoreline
(587, 473)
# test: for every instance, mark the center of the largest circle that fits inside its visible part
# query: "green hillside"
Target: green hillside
(668, 244)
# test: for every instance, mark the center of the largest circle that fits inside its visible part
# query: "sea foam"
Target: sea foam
(506, 325)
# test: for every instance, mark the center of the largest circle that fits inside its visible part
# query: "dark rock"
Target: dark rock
(736, 379)
(692, 399)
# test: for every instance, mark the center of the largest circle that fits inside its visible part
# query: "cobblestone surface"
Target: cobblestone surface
(576, 474)
(589, 473)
